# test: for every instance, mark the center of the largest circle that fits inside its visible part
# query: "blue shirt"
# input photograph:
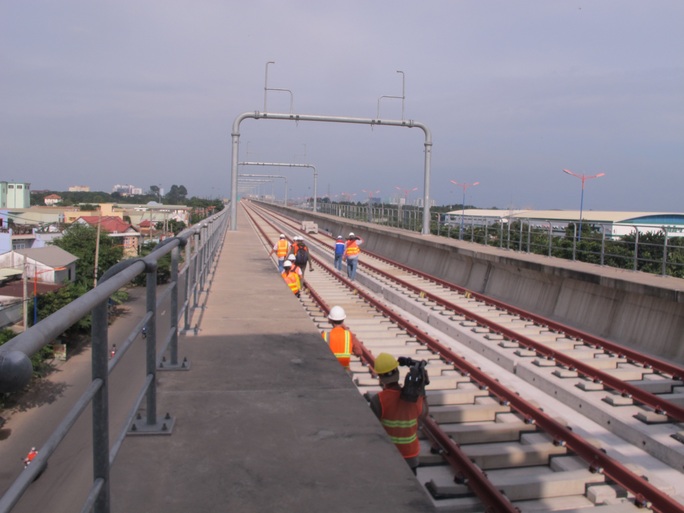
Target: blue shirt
(339, 248)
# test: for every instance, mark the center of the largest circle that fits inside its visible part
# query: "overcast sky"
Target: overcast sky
(146, 92)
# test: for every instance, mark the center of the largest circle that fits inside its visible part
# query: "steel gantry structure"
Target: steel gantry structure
(286, 164)
(249, 175)
(235, 136)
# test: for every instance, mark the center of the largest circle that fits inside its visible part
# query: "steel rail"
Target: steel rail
(634, 356)
(467, 471)
(597, 459)
(458, 460)
(676, 371)
(645, 493)
(658, 404)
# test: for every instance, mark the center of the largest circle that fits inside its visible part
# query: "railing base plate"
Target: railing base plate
(162, 427)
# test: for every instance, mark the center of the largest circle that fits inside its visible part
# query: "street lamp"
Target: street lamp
(464, 186)
(583, 178)
(406, 192)
(370, 208)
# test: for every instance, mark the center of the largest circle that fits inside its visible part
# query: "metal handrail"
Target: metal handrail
(202, 243)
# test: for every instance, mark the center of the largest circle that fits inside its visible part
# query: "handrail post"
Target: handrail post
(173, 320)
(196, 270)
(100, 408)
(188, 283)
(151, 426)
(152, 344)
(664, 273)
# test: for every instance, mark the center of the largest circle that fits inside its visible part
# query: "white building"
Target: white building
(612, 223)
(15, 195)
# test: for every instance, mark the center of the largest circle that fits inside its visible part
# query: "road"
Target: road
(65, 484)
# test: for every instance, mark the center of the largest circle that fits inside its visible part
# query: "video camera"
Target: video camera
(416, 379)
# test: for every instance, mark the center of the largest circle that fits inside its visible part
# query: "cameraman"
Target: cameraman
(399, 417)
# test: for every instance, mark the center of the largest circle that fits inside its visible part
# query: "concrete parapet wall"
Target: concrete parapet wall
(632, 308)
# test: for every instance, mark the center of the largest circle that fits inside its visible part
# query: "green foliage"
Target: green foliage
(50, 302)
(5, 335)
(80, 240)
(177, 195)
(163, 267)
(38, 360)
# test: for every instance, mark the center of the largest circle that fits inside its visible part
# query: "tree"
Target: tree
(177, 195)
(80, 241)
(155, 191)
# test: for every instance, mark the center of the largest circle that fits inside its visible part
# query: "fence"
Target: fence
(201, 244)
(644, 248)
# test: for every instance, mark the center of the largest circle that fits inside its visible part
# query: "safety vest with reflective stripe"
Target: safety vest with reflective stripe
(353, 249)
(281, 248)
(400, 420)
(340, 344)
(292, 280)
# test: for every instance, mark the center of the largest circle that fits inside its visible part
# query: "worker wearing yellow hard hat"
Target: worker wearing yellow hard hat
(399, 417)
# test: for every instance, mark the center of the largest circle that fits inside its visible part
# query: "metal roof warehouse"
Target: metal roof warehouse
(612, 222)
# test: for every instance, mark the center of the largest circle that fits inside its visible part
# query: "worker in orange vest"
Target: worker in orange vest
(399, 417)
(291, 278)
(281, 249)
(351, 254)
(338, 338)
(295, 267)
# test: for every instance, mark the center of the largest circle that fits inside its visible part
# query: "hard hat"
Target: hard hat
(292, 258)
(337, 314)
(351, 234)
(33, 449)
(287, 264)
(282, 235)
(385, 363)
(340, 237)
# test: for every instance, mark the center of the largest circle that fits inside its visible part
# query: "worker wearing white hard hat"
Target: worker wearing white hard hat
(291, 278)
(338, 338)
(339, 253)
(293, 260)
(302, 257)
(351, 254)
(281, 249)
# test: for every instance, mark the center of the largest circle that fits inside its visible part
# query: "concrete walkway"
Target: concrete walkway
(265, 419)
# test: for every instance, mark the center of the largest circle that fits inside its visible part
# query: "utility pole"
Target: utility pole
(25, 280)
(97, 244)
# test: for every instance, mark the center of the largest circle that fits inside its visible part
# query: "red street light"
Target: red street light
(406, 192)
(584, 178)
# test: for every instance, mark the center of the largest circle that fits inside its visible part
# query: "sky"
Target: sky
(146, 93)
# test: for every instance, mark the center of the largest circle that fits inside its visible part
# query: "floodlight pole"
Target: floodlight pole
(583, 178)
(235, 136)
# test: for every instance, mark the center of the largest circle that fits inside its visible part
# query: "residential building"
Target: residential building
(126, 236)
(45, 270)
(52, 199)
(127, 190)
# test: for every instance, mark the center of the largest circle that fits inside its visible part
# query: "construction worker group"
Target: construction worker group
(399, 417)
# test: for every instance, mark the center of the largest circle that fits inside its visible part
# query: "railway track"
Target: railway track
(489, 443)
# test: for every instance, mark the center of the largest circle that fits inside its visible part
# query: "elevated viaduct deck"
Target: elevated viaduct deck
(640, 310)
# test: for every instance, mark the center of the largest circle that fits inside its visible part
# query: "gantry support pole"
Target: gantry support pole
(235, 135)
